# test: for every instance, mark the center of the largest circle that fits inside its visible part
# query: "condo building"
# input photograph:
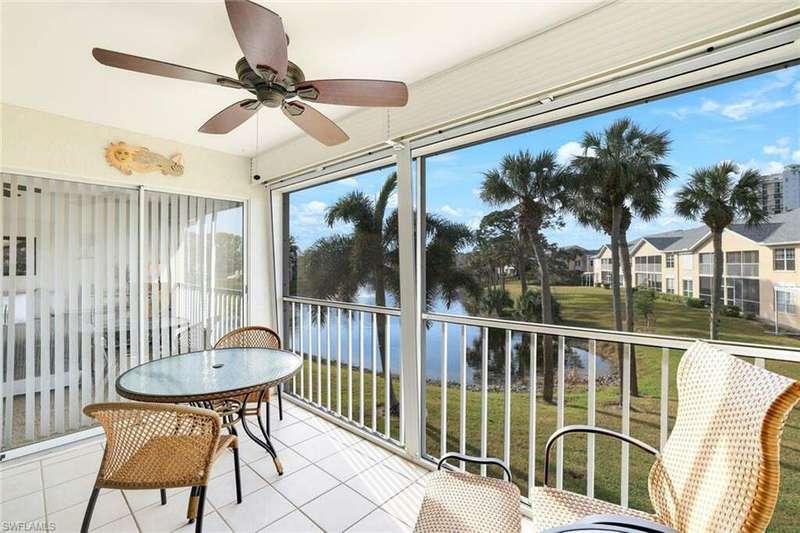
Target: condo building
(761, 274)
(781, 192)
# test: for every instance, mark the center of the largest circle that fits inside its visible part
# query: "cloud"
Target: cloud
(567, 151)
(744, 109)
(782, 151)
(348, 182)
(309, 214)
(451, 211)
(764, 167)
(465, 215)
(758, 101)
(709, 106)
(314, 206)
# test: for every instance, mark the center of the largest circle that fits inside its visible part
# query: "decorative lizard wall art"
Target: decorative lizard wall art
(129, 159)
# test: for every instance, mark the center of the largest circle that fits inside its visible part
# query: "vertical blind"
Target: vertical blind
(194, 273)
(70, 292)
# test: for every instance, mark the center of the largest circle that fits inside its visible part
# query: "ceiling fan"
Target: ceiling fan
(266, 72)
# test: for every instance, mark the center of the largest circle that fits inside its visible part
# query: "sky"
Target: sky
(753, 121)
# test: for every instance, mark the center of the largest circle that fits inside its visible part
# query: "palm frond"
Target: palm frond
(354, 208)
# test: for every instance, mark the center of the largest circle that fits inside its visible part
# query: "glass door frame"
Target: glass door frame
(69, 438)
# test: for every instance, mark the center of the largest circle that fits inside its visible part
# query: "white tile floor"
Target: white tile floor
(334, 481)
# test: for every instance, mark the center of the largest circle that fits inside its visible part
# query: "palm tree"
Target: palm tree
(535, 186)
(621, 173)
(714, 196)
(369, 256)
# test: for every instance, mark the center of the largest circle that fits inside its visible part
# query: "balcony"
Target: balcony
(346, 462)
(408, 264)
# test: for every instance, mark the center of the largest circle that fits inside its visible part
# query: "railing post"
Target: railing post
(409, 305)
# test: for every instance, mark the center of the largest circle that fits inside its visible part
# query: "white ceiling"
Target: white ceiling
(47, 65)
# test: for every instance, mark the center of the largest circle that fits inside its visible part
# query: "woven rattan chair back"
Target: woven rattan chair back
(250, 337)
(139, 437)
(719, 470)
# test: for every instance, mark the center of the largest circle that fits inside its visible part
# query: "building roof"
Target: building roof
(780, 229)
(677, 240)
(580, 249)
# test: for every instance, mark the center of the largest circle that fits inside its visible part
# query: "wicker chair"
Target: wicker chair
(468, 503)
(719, 469)
(160, 446)
(254, 337)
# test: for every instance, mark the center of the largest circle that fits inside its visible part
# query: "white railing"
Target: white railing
(218, 310)
(342, 346)
(342, 377)
(561, 334)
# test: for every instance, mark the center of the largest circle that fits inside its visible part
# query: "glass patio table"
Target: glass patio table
(212, 377)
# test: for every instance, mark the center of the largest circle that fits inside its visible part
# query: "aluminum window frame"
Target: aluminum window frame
(767, 52)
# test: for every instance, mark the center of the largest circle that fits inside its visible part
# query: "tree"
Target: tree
(498, 244)
(716, 197)
(645, 303)
(535, 186)
(622, 173)
(369, 256)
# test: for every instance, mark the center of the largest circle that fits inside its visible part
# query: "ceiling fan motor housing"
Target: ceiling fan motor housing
(269, 93)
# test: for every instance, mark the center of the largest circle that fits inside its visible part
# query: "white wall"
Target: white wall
(617, 36)
(48, 145)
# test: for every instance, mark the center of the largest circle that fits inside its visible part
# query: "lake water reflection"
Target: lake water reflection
(353, 344)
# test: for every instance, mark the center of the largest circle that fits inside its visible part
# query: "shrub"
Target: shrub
(732, 311)
(696, 303)
(495, 302)
(749, 316)
(528, 307)
(667, 297)
(644, 301)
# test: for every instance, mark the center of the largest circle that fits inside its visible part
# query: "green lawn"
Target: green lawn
(590, 307)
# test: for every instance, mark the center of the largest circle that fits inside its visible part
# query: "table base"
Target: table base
(265, 443)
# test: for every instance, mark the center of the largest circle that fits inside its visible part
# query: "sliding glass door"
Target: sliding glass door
(194, 272)
(70, 312)
(74, 312)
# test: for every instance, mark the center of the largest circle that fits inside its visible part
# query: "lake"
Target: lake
(576, 353)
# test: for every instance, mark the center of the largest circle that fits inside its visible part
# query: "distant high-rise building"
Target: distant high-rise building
(781, 192)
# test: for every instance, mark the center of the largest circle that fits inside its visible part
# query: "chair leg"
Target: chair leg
(280, 402)
(191, 510)
(201, 503)
(163, 496)
(87, 518)
(237, 474)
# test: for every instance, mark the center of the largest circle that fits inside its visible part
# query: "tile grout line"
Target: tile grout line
(44, 497)
(133, 515)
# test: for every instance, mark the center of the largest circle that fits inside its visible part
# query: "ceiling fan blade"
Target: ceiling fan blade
(161, 68)
(366, 93)
(261, 37)
(314, 123)
(231, 117)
